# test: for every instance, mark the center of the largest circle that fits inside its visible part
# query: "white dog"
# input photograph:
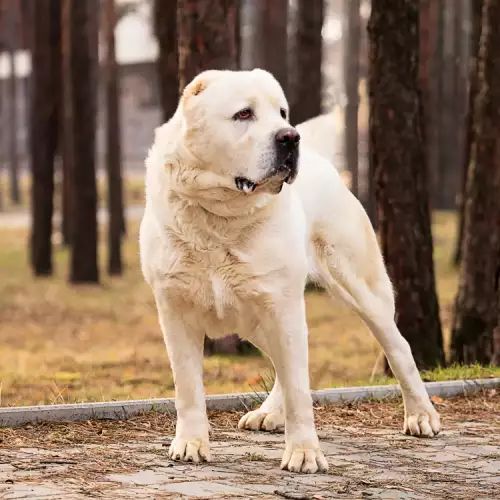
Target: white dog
(227, 244)
(321, 133)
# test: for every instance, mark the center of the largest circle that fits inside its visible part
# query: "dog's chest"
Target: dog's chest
(220, 283)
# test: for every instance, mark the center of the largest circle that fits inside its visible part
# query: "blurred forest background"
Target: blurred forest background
(405, 93)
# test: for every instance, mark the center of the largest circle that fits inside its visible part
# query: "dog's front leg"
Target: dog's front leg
(185, 350)
(288, 349)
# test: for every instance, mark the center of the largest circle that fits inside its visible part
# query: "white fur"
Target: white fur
(321, 133)
(221, 261)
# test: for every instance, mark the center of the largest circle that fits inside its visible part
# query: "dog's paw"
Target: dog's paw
(190, 450)
(260, 420)
(422, 421)
(304, 459)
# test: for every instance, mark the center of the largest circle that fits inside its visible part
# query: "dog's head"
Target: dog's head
(236, 125)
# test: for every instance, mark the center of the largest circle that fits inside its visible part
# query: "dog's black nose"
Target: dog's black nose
(287, 137)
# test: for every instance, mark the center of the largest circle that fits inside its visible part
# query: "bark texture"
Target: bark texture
(270, 40)
(13, 25)
(476, 18)
(476, 307)
(430, 73)
(67, 146)
(399, 164)
(207, 37)
(83, 81)
(459, 92)
(308, 58)
(165, 19)
(237, 33)
(351, 73)
(447, 173)
(44, 129)
(113, 145)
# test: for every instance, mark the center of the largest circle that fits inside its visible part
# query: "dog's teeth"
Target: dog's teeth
(248, 187)
(245, 185)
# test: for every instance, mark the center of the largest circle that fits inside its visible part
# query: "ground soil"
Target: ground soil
(369, 457)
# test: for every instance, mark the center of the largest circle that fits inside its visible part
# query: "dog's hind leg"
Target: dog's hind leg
(349, 265)
(373, 300)
(271, 414)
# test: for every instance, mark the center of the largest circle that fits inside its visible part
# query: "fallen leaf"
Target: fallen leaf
(255, 380)
(437, 399)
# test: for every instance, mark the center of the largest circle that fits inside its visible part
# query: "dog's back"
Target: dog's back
(321, 133)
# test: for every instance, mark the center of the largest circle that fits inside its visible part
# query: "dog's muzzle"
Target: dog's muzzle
(286, 169)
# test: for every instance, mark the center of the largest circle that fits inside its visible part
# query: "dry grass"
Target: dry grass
(133, 186)
(68, 344)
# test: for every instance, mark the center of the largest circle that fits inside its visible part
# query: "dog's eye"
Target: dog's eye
(244, 114)
(283, 113)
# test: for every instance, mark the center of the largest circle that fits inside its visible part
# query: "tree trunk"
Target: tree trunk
(430, 69)
(237, 33)
(459, 92)
(308, 58)
(270, 39)
(11, 12)
(207, 37)
(207, 40)
(396, 141)
(425, 50)
(434, 116)
(437, 183)
(476, 15)
(351, 75)
(476, 305)
(496, 338)
(44, 129)
(84, 263)
(113, 144)
(446, 174)
(371, 202)
(67, 146)
(165, 18)
(1, 166)
(26, 17)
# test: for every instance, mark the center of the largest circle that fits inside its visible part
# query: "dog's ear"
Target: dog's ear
(199, 84)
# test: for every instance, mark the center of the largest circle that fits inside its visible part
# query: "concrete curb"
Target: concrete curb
(121, 410)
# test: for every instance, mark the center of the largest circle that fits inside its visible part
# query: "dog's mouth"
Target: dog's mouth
(289, 167)
(245, 185)
(285, 172)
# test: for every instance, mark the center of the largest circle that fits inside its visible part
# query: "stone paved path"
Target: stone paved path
(366, 461)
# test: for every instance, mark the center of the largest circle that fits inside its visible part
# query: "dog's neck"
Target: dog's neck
(200, 222)
(196, 207)
(219, 201)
